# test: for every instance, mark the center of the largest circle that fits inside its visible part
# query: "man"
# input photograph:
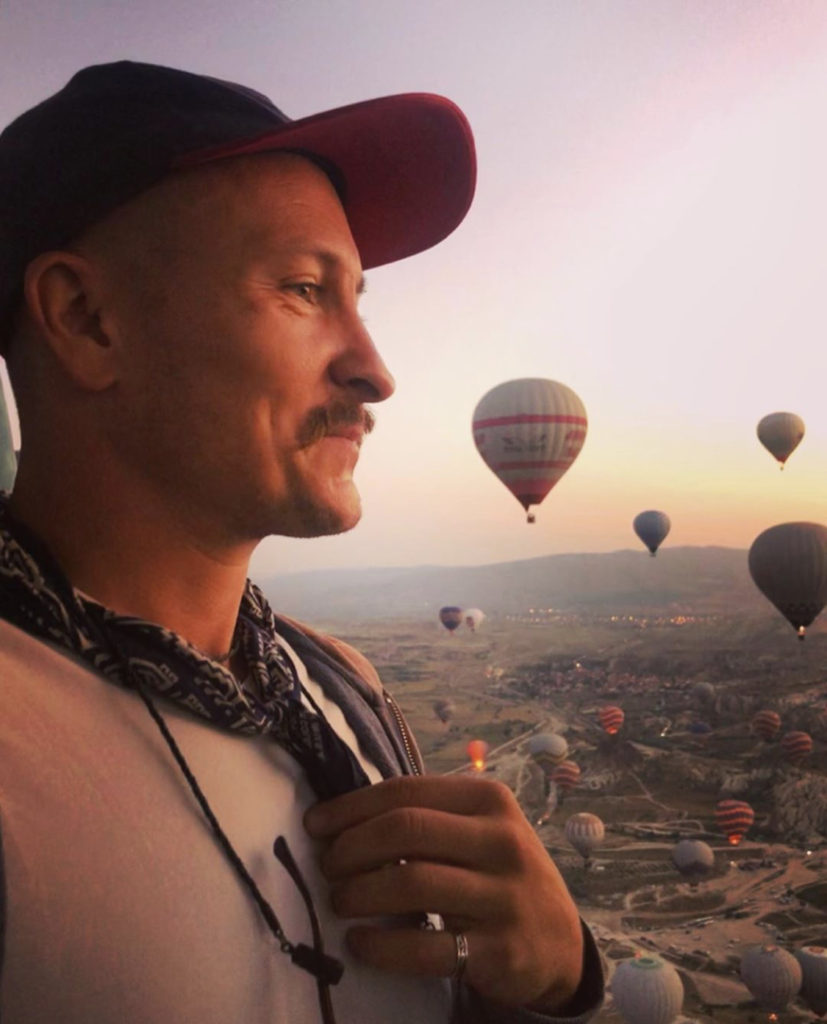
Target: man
(188, 824)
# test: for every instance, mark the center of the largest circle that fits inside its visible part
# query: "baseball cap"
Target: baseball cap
(404, 165)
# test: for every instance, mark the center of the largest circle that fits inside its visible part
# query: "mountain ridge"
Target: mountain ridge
(700, 580)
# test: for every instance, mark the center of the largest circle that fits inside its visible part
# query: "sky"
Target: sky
(649, 228)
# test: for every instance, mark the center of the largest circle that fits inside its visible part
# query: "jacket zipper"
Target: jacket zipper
(403, 729)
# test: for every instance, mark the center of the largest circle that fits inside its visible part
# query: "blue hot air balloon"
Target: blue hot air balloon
(652, 528)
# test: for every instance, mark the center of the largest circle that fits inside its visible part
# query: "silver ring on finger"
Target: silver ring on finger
(462, 956)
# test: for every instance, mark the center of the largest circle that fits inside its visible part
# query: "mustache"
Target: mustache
(324, 420)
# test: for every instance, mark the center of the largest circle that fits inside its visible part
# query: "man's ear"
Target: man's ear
(62, 293)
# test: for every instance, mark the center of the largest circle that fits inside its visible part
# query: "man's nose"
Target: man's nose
(360, 369)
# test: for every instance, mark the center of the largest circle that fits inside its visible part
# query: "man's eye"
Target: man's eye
(307, 290)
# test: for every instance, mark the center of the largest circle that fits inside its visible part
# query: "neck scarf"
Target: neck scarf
(36, 596)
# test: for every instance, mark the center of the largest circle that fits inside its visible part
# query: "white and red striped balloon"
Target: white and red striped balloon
(734, 818)
(585, 832)
(766, 724)
(611, 718)
(796, 746)
(565, 775)
(529, 432)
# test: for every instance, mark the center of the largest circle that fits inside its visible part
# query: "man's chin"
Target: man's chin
(316, 518)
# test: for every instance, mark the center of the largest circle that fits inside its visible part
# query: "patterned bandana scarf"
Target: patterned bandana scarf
(36, 596)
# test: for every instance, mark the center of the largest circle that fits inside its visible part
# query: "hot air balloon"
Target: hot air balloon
(765, 724)
(788, 563)
(813, 962)
(647, 990)
(733, 818)
(796, 746)
(547, 749)
(772, 975)
(652, 528)
(528, 432)
(444, 709)
(693, 859)
(473, 618)
(477, 753)
(451, 617)
(585, 832)
(565, 775)
(781, 433)
(611, 718)
(8, 460)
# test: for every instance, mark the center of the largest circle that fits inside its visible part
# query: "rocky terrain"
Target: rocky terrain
(654, 782)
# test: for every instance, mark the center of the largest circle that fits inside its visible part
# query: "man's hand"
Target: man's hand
(462, 848)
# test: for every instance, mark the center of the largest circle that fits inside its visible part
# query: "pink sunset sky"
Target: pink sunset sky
(650, 228)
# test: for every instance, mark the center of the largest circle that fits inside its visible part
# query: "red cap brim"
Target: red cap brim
(407, 161)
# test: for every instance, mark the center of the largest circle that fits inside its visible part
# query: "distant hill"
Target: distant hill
(703, 580)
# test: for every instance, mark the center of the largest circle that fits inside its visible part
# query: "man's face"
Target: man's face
(245, 364)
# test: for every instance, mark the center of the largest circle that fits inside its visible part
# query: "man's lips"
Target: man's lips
(353, 433)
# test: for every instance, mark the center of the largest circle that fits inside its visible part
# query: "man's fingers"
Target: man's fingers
(453, 794)
(420, 887)
(405, 950)
(393, 849)
(416, 952)
(416, 833)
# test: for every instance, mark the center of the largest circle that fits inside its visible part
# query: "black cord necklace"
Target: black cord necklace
(326, 969)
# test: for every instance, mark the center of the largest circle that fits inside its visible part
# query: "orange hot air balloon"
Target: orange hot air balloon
(611, 718)
(765, 724)
(477, 753)
(565, 775)
(796, 746)
(733, 818)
